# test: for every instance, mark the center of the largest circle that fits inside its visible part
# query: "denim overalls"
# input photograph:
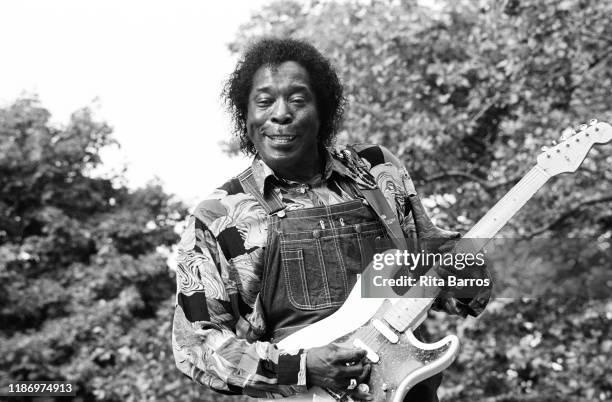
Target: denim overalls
(311, 263)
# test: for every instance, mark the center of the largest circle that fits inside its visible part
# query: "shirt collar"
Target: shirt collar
(264, 175)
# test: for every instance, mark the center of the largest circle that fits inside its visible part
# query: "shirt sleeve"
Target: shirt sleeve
(205, 345)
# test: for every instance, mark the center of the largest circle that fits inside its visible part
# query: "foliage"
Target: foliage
(466, 94)
(85, 291)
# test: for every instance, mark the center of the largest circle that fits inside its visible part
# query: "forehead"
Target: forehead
(286, 74)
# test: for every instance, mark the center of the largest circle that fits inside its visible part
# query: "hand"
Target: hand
(464, 300)
(334, 366)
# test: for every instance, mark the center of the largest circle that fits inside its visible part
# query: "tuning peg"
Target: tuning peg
(545, 148)
(582, 127)
(592, 122)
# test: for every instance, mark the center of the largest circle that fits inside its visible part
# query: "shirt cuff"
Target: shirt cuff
(291, 368)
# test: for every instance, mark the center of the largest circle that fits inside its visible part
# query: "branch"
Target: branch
(599, 59)
(571, 211)
(468, 176)
(486, 107)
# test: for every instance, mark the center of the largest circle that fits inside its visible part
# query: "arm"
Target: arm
(395, 183)
(204, 341)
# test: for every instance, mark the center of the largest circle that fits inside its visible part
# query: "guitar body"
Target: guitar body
(400, 365)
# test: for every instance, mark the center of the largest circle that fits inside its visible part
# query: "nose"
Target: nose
(281, 114)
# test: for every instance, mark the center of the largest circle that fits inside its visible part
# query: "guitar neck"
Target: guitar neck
(508, 205)
(415, 303)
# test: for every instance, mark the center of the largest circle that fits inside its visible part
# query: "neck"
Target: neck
(303, 171)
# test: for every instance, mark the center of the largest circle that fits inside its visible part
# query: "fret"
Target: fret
(509, 204)
(407, 310)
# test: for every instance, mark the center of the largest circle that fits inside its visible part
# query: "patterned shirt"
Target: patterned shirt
(219, 331)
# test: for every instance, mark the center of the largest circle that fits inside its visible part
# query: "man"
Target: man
(279, 247)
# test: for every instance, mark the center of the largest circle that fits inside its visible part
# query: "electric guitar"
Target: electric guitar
(383, 327)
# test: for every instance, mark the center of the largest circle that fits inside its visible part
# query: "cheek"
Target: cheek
(309, 118)
(314, 122)
(252, 125)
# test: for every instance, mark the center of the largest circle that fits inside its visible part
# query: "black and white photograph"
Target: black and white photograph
(306, 200)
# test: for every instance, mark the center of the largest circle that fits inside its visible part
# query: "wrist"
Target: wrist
(291, 368)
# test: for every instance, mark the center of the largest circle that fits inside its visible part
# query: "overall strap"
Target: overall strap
(366, 185)
(271, 204)
(379, 204)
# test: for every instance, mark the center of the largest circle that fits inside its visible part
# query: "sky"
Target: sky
(151, 69)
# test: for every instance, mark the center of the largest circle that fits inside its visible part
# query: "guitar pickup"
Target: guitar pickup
(385, 331)
(371, 354)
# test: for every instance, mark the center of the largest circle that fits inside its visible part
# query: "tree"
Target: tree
(466, 94)
(85, 291)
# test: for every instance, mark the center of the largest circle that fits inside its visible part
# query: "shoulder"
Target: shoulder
(376, 155)
(219, 203)
(385, 167)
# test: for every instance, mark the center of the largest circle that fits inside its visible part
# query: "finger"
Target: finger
(365, 373)
(348, 355)
(349, 372)
(359, 394)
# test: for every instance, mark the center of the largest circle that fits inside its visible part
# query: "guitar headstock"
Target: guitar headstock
(568, 155)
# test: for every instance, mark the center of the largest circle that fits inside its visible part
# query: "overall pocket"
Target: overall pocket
(313, 273)
(294, 274)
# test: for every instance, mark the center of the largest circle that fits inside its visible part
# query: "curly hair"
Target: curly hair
(273, 52)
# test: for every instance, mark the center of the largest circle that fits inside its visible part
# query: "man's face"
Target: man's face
(283, 121)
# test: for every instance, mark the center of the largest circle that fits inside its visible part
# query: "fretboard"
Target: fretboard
(417, 301)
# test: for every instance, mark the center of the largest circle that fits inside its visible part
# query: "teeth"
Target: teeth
(282, 138)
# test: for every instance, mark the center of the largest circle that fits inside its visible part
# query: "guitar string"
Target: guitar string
(503, 201)
(526, 182)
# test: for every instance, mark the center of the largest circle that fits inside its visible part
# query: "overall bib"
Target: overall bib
(311, 263)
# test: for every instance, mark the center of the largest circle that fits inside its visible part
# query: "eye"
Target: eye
(298, 100)
(264, 102)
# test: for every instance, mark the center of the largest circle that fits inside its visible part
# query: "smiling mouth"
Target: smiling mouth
(281, 139)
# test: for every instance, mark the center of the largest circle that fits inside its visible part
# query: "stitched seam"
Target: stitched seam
(324, 270)
(361, 252)
(339, 235)
(304, 280)
(375, 225)
(265, 268)
(358, 207)
(336, 207)
(335, 236)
